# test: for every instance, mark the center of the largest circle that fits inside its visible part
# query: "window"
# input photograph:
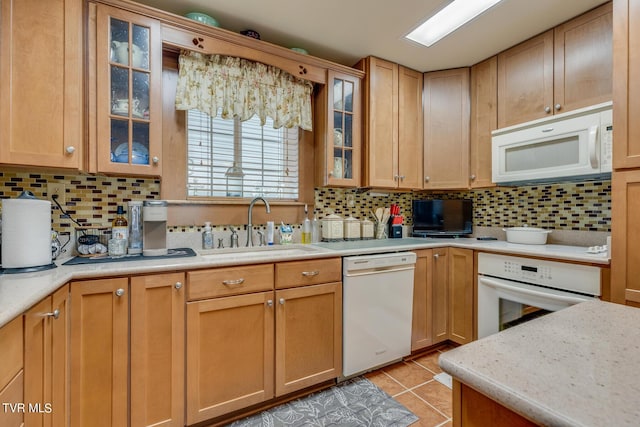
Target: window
(229, 158)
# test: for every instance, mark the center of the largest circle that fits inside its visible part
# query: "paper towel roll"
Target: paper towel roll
(26, 233)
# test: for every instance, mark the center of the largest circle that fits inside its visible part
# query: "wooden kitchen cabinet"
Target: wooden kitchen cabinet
(443, 304)
(230, 348)
(460, 283)
(100, 356)
(446, 129)
(563, 69)
(625, 237)
(308, 347)
(421, 325)
(626, 90)
(338, 135)
(46, 360)
(11, 371)
(125, 92)
(484, 120)
(440, 295)
(41, 91)
(393, 125)
(157, 350)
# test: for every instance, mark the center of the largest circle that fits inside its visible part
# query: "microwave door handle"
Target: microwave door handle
(593, 154)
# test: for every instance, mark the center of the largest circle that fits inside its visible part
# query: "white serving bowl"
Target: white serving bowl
(527, 235)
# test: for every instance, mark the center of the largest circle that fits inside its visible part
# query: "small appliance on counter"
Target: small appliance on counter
(154, 229)
(26, 234)
(442, 218)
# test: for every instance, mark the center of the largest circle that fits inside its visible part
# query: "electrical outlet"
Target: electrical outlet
(351, 200)
(55, 189)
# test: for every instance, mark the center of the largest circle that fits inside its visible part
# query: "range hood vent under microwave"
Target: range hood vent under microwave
(565, 147)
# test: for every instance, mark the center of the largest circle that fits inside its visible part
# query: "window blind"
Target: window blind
(229, 158)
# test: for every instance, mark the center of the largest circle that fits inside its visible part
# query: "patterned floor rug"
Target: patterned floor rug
(357, 402)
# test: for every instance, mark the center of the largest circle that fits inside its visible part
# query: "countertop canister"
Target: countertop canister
(26, 232)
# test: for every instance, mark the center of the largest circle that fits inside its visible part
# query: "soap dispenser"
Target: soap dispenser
(207, 236)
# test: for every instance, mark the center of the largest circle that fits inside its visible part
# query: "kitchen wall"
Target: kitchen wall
(583, 207)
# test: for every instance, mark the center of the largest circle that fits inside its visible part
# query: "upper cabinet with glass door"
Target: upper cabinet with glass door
(340, 137)
(129, 95)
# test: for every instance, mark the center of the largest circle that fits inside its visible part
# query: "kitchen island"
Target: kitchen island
(574, 367)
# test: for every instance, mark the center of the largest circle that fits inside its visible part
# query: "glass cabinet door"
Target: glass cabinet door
(344, 133)
(130, 108)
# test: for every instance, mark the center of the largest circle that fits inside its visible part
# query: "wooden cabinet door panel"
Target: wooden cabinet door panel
(461, 289)
(446, 129)
(13, 393)
(440, 295)
(381, 130)
(625, 237)
(525, 81)
(626, 89)
(484, 120)
(41, 89)
(46, 363)
(308, 336)
(421, 327)
(157, 350)
(410, 129)
(583, 60)
(99, 362)
(230, 352)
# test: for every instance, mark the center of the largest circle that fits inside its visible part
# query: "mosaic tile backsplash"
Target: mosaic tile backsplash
(92, 200)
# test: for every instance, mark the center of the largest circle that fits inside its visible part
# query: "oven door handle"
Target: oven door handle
(502, 285)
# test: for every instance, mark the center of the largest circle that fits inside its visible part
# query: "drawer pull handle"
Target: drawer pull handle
(310, 273)
(55, 314)
(233, 282)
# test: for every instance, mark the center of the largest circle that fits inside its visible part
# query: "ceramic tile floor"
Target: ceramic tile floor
(411, 383)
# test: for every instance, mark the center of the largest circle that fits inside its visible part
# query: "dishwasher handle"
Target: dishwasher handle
(379, 270)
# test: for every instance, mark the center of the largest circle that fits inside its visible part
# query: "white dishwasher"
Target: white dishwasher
(377, 310)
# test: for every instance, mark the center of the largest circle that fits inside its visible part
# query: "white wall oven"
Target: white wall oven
(513, 290)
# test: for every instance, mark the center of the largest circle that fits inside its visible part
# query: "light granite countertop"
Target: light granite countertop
(19, 292)
(573, 367)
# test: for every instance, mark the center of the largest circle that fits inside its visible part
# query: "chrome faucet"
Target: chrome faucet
(250, 221)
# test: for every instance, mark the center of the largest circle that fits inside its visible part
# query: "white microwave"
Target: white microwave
(569, 146)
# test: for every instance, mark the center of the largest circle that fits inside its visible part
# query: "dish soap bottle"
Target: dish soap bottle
(120, 225)
(315, 230)
(306, 227)
(207, 236)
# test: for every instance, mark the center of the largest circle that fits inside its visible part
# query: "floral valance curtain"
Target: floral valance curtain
(242, 88)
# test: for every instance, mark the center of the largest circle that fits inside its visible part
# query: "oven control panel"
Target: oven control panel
(556, 274)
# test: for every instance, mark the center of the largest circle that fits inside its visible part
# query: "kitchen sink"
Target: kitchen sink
(266, 252)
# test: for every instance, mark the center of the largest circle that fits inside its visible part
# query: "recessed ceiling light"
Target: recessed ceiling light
(453, 16)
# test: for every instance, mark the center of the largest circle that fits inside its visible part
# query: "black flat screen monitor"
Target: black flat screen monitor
(442, 217)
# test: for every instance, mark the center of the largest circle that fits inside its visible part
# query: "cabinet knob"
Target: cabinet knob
(178, 285)
(330, 173)
(119, 292)
(558, 107)
(436, 256)
(426, 179)
(155, 160)
(55, 314)
(70, 149)
(547, 109)
(402, 177)
(270, 303)
(472, 177)
(281, 301)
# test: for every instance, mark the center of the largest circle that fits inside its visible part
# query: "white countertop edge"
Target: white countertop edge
(16, 296)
